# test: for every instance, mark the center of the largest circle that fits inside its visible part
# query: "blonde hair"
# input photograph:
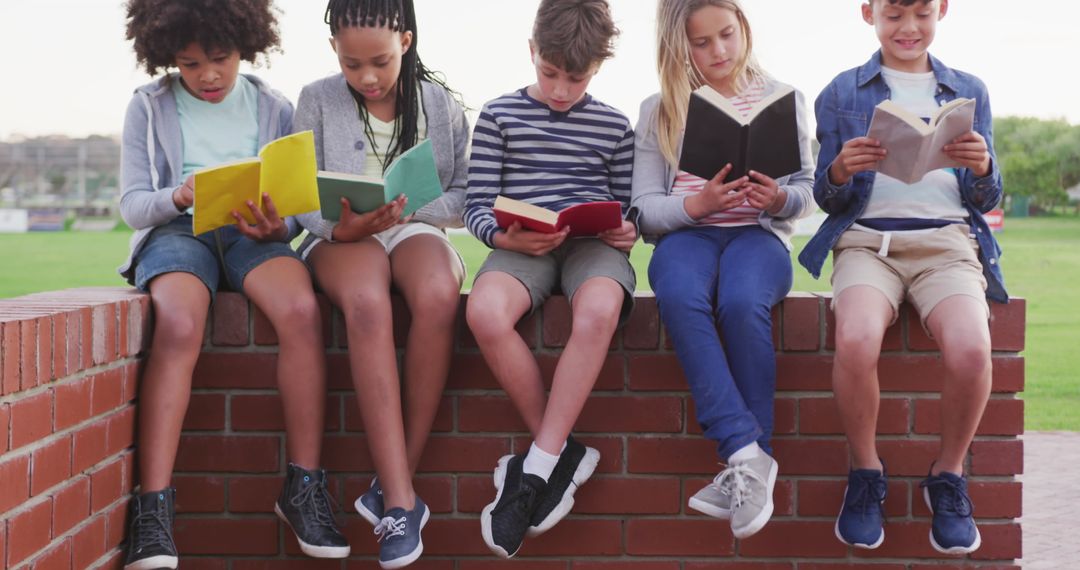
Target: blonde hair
(680, 76)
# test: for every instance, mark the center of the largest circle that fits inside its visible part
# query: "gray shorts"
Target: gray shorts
(569, 266)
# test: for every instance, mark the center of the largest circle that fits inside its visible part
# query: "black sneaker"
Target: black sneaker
(305, 505)
(576, 464)
(505, 521)
(150, 541)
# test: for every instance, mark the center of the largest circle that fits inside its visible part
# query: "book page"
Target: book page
(520, 209)
(288, 174)
(364, 193)
(958, 119)
(222, 189)
(415, 175)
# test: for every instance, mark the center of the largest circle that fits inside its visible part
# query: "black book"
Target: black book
(766, 140)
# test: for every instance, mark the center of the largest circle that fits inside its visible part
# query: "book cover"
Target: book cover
(915, 146)
(766, 140)
(587, 219)
(413, 174)
(285, 170)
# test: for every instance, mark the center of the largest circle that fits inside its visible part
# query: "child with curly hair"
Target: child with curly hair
(206, 114)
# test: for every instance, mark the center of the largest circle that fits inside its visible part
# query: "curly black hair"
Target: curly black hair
(162, 28)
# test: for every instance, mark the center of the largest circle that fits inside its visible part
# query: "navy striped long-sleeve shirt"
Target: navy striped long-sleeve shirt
(522, 149)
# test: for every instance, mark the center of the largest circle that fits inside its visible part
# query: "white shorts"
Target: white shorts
(394, 237)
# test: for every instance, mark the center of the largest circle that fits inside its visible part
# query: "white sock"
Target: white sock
(746, 453)
(539, 462)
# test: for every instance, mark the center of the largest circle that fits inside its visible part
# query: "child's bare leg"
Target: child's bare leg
(862, 315)
(959, 324)
(496, 304)
(428, 273)
(596, 308)
(356, 277)
(180, 303)
(282, 290)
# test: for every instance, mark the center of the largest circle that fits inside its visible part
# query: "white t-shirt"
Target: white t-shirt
(383, 132)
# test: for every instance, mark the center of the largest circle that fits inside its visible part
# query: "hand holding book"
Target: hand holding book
(516, 238)
(268, 226)
(352, 226)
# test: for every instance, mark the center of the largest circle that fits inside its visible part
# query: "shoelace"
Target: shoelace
(867, 495)
(390, 527)
(953, 496)
(735, 481)
(321, 504)
(152, 529)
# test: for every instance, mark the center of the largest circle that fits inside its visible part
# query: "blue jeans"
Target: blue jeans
(715, 288)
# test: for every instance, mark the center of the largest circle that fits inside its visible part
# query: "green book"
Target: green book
(412, 174)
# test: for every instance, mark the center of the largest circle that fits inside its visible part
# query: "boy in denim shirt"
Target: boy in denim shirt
(926, 243)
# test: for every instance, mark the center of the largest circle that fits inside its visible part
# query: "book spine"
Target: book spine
(741, 166)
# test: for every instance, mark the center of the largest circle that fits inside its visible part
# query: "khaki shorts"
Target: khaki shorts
(569, 266)
(391, 238)
(924, 268)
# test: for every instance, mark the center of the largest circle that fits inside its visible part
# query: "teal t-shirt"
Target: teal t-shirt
(215, 133)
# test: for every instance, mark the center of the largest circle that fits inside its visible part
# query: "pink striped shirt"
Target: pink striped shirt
(687, 184)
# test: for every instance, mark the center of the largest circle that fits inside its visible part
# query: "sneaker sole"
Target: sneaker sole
(836, 531)
(707, 509)
(763, 517)
(153, 563)
(955, 550)
(311, 549)
(485, 515)
(581, 475)
(415, 554)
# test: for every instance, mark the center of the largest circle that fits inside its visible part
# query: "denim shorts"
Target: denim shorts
(173, 248)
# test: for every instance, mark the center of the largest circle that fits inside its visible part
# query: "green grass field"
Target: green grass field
(1041, 263)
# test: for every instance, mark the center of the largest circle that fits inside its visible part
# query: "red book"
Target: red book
(587, 219)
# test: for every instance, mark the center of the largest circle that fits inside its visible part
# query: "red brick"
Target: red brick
(132, 373)
(86, 338)
(961, 566)
(803, 539)
(801, 322)
(811, 457)
(199, 494)
(605, 539)
(910, 372)
(232, 370)
(206, 412)
(448, 537)
(116, 525)
(488, 414)
(475, 492)
(610, 448)
(903, 539)
(649, 414)
(71, 505)
(229, 316)
(516, 564)
(221, 454)
(263, 412)
(470, 372)
(818, 416)
(997, 500)
(457, 454)
(254, 494)
(227, 536)
(609, 496)
(738, 566)
(59, 345)
(104, 339)
(997, 457)
(678, 537)
(624, 565)
(56, 558)
(106, 485)
(10, 378)
(90, 445)
(290, 564)
(1001, 417)
(140, 323)
(908, 457)
(31, 419)
(437, 490)
(15, 481)
(88, 544)
(108, 391)
(1000, 542)
(656, 372)
(123, 326)
(28, 343)
(836, 566)
(121, 429)
(49, 465)
(346, 453)
(555, 323)
(73, 404)
(823, 498)
(1007, 325)
(671, 455)
(44, 350)
(803, 372)
(5, 427)
(29, 532)
(1008, 373)
(642, 328)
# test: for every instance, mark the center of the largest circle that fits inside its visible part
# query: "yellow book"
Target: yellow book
(285, 170)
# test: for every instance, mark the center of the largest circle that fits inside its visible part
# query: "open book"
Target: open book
(285, 170)
(587, 219)
(766, 140)
(412, 174)
(915, 147)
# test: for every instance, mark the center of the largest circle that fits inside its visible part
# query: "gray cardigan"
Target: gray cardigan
(152, 154)
(327, 107)
(659, 213)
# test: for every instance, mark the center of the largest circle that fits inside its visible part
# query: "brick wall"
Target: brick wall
(632, 514)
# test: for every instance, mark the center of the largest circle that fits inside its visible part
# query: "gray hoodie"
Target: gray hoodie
(658, 212)
(327, 107)
(152, 157)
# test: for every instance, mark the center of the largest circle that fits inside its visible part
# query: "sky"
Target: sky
(66, 68)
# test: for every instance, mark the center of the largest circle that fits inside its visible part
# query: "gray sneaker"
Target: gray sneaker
(715, 498)
(751, 485)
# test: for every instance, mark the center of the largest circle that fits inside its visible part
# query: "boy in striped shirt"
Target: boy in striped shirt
(552, 145)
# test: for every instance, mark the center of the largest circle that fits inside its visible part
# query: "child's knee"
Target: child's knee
(487, 317)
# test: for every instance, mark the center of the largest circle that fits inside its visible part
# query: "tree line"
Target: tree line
(1039, 158)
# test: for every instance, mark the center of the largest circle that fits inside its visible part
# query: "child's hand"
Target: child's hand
(184, 196)
(857, 155)
(971, 151)
(765, 193)
(621, 238)
(268, 225)
(516, 238)
(717, 195)
(355, 227)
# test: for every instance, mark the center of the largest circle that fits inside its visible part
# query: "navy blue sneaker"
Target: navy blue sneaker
(860, 521)
(953, 530)
(399, 535)
(370, 504)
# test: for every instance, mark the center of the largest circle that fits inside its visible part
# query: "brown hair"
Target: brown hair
(574, 35)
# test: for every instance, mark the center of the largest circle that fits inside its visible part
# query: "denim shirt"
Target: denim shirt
(843, 112)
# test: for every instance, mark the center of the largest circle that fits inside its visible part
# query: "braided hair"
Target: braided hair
(398, 16)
